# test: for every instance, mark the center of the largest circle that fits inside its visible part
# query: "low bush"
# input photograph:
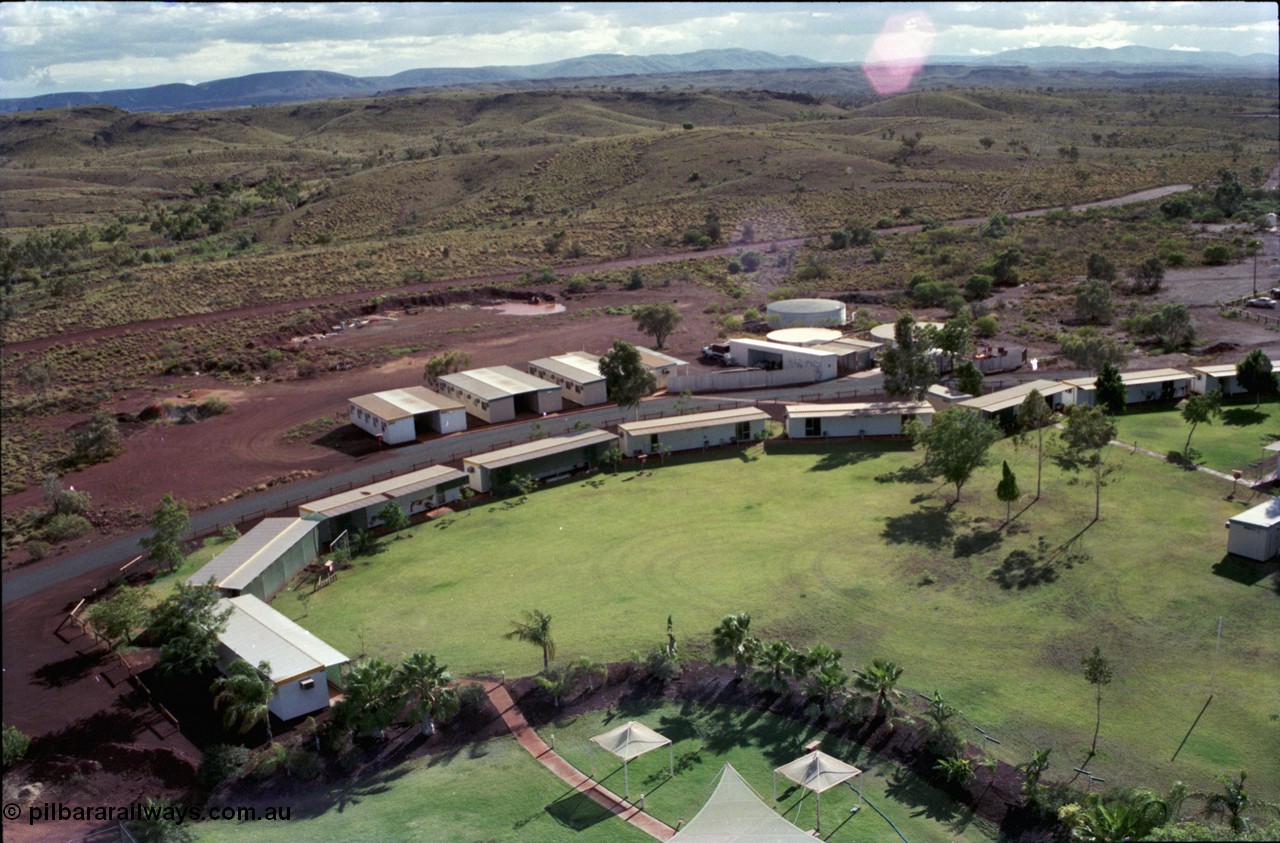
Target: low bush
(65, 527)
(221, 763)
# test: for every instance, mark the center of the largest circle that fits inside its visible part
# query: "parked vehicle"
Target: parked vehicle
(718, 351)
(1267, 303)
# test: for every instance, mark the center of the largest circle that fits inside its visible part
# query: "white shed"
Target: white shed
(693, 431)
(357, 509)
(1223, 378)
(1003, 404)
(497, 393)
(1140, 387)
(885, 418)
(263, 560)
(772, 355)
(662, 365)
(399, 415)
(1255, 533)
(302, 666)
(578, 375)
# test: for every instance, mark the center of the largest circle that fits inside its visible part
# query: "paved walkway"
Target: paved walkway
(571, 776)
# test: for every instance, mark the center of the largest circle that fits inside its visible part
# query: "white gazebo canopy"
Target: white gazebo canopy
(818, 772)
(631, 740)
(736, 814)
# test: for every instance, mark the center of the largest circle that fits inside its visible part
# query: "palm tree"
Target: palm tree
(588, 669)
(731, 640)
(1034, 769)
(247, 692)
(1132, 817)
(775, 665)
(818, 658)
(536, 629)
(1234, 801)
(826, 688)
(880, 678)
(426, 683)
(372, 697)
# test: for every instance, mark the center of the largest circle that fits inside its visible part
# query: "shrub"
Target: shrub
(221, 763)
(750, 315)
(636, 281)
(16, 745)
(577, 284)
(986, 326)
(471, 698)
(304, 764)
(687, 126)
(751, 261)
(36, 549)
(978, 286)
(213, 406)
(268, 762)
(64, 527)
(1216, 255)
(662, 666)
(735, 266)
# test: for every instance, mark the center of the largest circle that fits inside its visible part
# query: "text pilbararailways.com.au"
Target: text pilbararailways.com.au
(43, 812)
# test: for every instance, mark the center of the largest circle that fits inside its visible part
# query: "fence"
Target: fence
(741, 379)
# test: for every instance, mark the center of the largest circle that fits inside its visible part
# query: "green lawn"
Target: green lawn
(492, 791)
(1231, 442)
(833, 543)
(704, 737)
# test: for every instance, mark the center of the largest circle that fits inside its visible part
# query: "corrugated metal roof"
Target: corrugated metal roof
(395, 404)
(1263, 515)
(256, 632)
(382, 491)
(880, 408)
(252, 553)
(656, 359)
(1225, 369)
(1137, 378)
(575, 367)
(694, 421)
(539, 448)
(1014, 395)
(765, 345)
(497, 382)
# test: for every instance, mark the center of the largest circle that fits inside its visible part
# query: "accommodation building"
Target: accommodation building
(578, 375)
(263, 560)
(693, 431)
(823, 365)
(302, 665)
(498, 393)
(540, 459)
(885, 418)
(399, 415)
(1002, 405)
(1141, 387)
(357, 509)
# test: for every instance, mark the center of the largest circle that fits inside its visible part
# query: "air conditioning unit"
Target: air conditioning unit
(307, 684)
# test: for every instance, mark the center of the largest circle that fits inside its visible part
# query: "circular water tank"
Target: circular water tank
(803, 336)
(885, 333)
(809, 313)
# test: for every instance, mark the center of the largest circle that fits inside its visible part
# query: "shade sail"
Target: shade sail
(818, 771)
(735, 814)
(630, 740)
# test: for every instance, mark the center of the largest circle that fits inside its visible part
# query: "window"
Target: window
(813, 427)
(742, 431)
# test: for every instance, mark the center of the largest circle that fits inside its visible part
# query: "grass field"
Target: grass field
(496, 791)
(491, 791)
(704, 738)
(835, 543)
(1233, 441)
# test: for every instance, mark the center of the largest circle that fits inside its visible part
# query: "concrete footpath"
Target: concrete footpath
(569, 774)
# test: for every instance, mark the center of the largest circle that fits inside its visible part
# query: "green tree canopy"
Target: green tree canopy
(393, 517)
(372, 697)
(1007, 490)
(657, 320)
(1112, 395)
(188, 623)
(1089, 348)
(627, 379)
(956, 444)
(1034, 413)
(1087, 432)
(427, 685)
(169, 524)
(969, 378)
(1200, 409)
(535, 629)
(1093, 301)
(908, 368)
(1255, 375)
(246, 693)
(118, 616)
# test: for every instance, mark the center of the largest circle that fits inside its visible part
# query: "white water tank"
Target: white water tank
(806, 313)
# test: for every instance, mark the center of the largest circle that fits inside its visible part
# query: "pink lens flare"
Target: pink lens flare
(899, 52)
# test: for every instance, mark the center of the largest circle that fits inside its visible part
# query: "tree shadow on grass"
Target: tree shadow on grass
(906, 474)
(1242, 570)
(976, 542)
(1021, 569)
(923, 800)
(1243, 417)
(577, 812)
(832, 460)
(929, 527)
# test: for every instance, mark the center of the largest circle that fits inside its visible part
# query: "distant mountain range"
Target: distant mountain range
(302, 85)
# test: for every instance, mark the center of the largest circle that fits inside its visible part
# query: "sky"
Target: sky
(48, 47)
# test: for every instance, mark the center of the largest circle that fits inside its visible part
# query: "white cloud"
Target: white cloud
(1183, 49)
